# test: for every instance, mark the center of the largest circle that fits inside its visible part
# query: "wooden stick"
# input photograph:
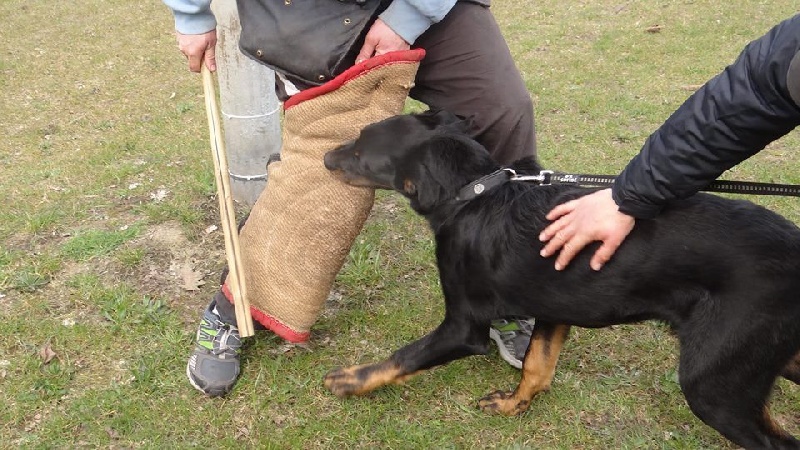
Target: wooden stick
(236, 281)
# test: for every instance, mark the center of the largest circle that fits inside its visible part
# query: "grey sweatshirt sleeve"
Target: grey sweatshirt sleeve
(192, 16)
(411, 18)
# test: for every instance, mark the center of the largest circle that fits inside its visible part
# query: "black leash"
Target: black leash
(547, 177)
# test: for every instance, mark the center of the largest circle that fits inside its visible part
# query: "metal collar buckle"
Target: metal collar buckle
(543, 179)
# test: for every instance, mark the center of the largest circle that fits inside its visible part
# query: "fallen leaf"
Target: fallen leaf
(242, 432)
(47, 354)
(33, 423)
(112, 433)
(159, 195)
(191, 279)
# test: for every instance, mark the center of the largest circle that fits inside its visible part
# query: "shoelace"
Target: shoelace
(527, 326)
(223, 340)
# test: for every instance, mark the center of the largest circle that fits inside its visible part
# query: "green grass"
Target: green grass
(108, 187)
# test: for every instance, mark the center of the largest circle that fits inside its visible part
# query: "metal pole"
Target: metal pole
(250, 108)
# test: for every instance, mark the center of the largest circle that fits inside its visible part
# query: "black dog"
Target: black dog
(725, 274)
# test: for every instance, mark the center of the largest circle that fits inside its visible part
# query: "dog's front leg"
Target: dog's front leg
(538, 370)
(451, 340)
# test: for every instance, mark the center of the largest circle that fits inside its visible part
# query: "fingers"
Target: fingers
(380, 39)
(603, 254)
(210, 59)
(367, 50)
(560, 237)
(198, 49)
(562, 209)
(194, 62)
(206, 55)
(578, 223)
(363, 56)
(612, 241)
(554, 237)
(557, 233)
(571, 247)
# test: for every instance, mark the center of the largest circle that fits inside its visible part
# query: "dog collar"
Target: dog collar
(498, 178)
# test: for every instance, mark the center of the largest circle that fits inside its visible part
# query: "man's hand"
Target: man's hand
(198, 48)
(381, 39)
(577, 223)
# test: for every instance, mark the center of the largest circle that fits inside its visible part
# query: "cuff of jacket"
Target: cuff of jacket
(409, 22)
(636, 209)
(194, 23)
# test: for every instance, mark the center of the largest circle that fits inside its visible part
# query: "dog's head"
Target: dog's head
(371, 159)
(427, 157)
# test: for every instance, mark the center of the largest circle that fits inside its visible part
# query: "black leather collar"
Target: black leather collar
(485, 183)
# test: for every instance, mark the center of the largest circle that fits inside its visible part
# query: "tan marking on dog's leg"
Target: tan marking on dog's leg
(362, 379)
(538, 371)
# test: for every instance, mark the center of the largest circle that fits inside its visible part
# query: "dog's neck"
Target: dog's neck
(471, 181)
(484, 184)
(448, 204)
(444, 166)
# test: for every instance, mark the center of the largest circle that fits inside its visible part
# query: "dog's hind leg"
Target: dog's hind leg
(736, 412)
(453, 339)
(537, 371)
(730, 394)
(792, 370)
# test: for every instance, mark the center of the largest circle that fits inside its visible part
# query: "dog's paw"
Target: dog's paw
(360, 380)
(500, 402)
(343, 382)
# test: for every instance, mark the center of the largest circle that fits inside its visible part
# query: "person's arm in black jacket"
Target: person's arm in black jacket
(736, 114)
(730, 118)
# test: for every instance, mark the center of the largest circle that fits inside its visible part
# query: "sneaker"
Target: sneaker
(214, 364)
(512, 338)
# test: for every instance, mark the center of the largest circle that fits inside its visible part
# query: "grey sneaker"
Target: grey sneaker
(512, 338)
(214, 364)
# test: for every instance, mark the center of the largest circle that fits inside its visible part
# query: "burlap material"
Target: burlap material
(301, 228)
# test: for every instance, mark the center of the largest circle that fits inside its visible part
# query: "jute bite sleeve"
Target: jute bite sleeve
(302, 226)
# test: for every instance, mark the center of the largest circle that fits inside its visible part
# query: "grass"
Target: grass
(109, 190)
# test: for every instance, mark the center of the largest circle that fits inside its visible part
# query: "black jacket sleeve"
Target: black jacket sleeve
(730, 118)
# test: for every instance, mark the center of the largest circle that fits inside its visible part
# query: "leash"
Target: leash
(548, 177)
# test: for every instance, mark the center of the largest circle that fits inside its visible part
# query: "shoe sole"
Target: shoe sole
(504, 353)
(191, 380)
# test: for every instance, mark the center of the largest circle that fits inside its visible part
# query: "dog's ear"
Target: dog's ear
(436, 119)
(436, 171)
(429, 191)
